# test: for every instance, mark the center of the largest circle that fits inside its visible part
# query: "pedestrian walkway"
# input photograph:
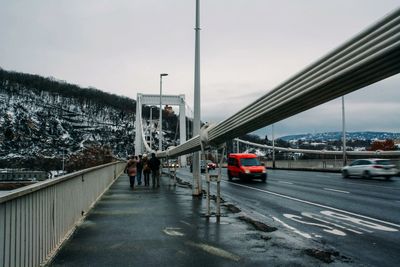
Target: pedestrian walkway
(164, 227)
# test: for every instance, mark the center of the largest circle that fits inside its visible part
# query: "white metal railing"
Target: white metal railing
(324, 152)
(35, 220)
(370, 56)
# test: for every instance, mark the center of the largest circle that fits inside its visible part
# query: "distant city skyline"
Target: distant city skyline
(247, 48)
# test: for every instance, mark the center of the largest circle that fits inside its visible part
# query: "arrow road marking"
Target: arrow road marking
(314, 204)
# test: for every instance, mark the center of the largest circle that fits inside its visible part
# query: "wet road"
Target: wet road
(166, 226)
(356, 217)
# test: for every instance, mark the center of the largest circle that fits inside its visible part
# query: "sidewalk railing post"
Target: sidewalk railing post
(208, 213)
(174, 174)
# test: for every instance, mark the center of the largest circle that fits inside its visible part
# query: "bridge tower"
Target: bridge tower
(176, 100)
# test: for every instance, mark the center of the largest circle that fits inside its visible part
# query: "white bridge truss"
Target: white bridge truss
(174, 100)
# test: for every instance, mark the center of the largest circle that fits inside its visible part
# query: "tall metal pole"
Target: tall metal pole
(160, 122)
(63, 165)
(196, 126)
(151, 125)
(344, 133)
(273, 147)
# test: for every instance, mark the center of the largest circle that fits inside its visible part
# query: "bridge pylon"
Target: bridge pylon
(174, 100)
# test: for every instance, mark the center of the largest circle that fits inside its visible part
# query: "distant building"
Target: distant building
(22, 175)
(397, 143)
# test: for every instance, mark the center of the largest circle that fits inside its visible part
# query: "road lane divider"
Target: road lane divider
(283, 182)
(314, 204)
(335, 190)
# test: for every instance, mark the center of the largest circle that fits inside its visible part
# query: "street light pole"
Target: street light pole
(160, 123)
(344, 133)
(273, 147)
(151, 126)
(63, 158)
(196, 106)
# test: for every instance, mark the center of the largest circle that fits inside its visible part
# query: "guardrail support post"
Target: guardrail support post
(218, 213)
(208, 213)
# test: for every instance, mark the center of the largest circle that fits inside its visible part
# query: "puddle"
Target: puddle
(258, 225)
(260, 250)
(326, 256)
(232, 208)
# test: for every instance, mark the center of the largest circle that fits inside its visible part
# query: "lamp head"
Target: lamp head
(163, 74)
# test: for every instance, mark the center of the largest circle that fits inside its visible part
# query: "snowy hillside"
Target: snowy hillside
(37, 123)
(336, 136)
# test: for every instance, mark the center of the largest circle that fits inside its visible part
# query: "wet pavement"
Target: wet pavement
(166, 226)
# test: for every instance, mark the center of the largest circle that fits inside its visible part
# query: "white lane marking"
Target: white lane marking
(185, 223)
(214, 250)
(329, 218)
(314, 204)
(325, 228)
(321, 219)
(282, 182)
(173, 231)
(358, 221)
(292, 228)
(335, 190)
(378, 186)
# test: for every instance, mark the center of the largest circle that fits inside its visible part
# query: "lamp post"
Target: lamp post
(273, 147)
(151, 125)
(344, 133)
(160, 136)
(63, 160)
(196, 106)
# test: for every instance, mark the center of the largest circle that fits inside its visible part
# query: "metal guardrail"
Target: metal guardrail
(324, 152)
(313, 164)
(370, 56)
(36, 219)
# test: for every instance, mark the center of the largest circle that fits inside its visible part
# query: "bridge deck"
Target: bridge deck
(167, 227)
(151, 227)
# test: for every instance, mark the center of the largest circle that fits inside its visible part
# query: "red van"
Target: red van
(246, 166)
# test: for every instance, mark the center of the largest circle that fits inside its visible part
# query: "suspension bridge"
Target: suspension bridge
(113, 226)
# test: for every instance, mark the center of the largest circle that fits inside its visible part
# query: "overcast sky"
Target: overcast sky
(247, 48)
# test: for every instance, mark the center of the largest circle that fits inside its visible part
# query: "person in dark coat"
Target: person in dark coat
(146, 170)
(139, 167)
(155, 163)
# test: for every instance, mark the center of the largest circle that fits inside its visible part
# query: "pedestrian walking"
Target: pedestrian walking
(131, 170)
(155, 170)
(139, 167)
(146, 170)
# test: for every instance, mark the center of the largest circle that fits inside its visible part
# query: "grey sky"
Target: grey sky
(247, 48)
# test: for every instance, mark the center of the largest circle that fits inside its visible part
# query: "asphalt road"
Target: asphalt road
(358, 218)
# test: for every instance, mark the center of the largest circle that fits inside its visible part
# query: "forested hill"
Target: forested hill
(38, 84)
(42, 119)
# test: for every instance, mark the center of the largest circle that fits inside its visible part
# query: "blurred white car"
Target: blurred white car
(368, 168)
(171, 164)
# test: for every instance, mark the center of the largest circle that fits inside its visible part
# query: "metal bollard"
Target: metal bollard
(175, 175)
